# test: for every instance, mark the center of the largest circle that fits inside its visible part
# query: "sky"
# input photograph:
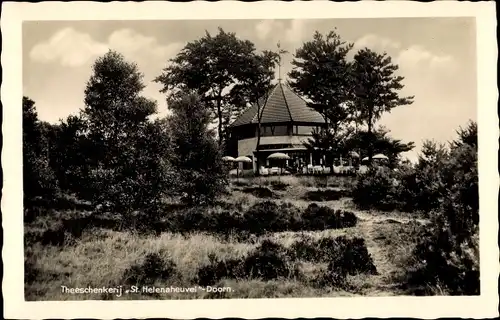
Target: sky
(436, 56)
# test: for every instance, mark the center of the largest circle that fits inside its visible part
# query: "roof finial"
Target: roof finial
(280, 53)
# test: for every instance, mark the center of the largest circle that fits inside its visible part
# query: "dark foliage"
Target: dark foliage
(39, 179)
(376, 89)
(260, 192)
(153, 268)
(219, 269)
(225, 72)
(200, 172)
(279, 185)
(267, 262)
(320, 218)
(326, 195)
(262, 217)
(348, 254)
(376, 189)
(267, 216)
(449, 255)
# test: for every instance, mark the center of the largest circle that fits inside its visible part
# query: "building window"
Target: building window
(305, 130)
(274, 130)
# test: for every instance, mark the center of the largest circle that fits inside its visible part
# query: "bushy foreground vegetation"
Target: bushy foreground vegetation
(260, 218)
(444, 185)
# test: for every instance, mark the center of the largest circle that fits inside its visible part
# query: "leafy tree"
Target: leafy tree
(381, 143)
(68, 156)
(195, 154)
(448, 255)
(38, 177)
(256, 84)
(212, 66)
(321, 74)
(127, 165)
(330, 142)
(375, 88)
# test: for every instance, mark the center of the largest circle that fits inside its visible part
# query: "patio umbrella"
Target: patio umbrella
(241, 159)
(352, 154)
(380, 156)
(279, 156)
(228, 159)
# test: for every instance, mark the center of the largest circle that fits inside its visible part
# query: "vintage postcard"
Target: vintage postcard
(267, 159)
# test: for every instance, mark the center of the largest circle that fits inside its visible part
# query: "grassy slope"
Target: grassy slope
(100, 257)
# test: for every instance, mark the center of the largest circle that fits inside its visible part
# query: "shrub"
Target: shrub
(326, 195)
(349, 254)
(219, 269)
(344, 257)
(448, 254)
(320, 218)
(376, 189)
(204, 219)
(266, 216)
(260, 192)
(153, 268)
(267, 262)
(262, 217)
(279, 185)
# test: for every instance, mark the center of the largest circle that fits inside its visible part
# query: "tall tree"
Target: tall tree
(38, 177)
(256, 84)
(381, 141)
(321, 74)
(115, 116)
(68, 157)
(195, 154)
(376, 88)
(212, 66)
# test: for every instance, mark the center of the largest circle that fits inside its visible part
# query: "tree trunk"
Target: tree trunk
(219, 115)
(370, 140)
(219, 112)
(257, 147)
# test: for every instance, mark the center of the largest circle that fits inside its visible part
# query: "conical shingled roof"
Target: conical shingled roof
(283, 105)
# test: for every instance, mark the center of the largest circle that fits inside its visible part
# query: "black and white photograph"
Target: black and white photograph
(268, 158)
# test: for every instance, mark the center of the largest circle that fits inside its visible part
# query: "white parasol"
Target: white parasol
(241, 159)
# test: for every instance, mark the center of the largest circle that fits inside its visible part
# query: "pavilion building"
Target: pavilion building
(287, 123)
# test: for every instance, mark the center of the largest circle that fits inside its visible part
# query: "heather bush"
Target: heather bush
(348, 254)
(326, 195)
(266, 216)
(260, 192)
(279, 185)
(320, 218)
(154, 267)
(376, 189)
(344, 256)
(219, 269)
(267, 262)
(262, 217)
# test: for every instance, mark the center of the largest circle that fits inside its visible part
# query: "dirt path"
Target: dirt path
(368, 227)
